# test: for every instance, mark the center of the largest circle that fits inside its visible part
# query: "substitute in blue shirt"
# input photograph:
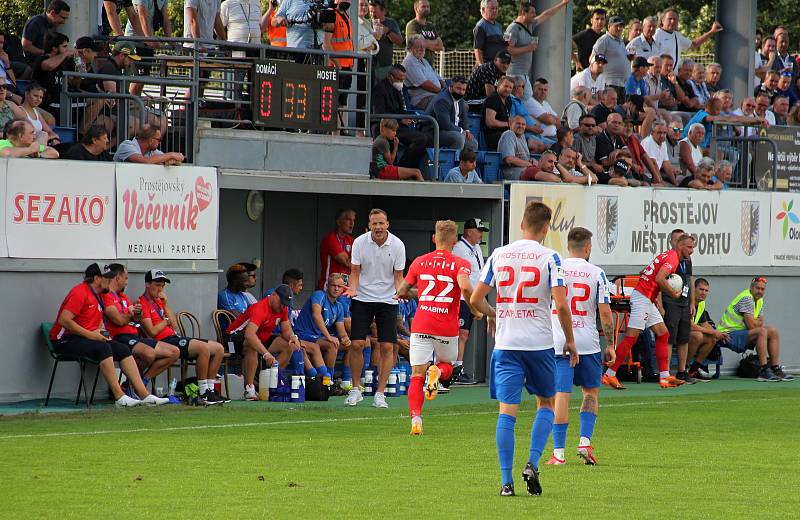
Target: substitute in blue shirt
(234, 297)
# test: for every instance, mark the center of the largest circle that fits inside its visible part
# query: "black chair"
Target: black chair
(82, 361)
(189, 326)
(221, 319)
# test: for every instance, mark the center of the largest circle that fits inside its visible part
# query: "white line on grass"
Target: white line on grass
(644, 404)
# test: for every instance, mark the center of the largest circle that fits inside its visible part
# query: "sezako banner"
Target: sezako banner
(167, 213)
(63, 212)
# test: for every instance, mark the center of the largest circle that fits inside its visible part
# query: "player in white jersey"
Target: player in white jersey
(528, 276)
(587, 292)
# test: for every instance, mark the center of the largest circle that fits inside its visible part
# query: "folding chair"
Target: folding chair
(189, 326)
(46, 328)
(621, 309)
(221, 319)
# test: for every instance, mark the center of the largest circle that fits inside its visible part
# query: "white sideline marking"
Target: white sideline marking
(352, 419)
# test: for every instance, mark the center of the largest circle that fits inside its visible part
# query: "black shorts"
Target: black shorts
(465, 317)
(132, 339)
(97, 351)
(384, 314)
(237, 340)
(143, 66)
(678, 322)
(182, 343)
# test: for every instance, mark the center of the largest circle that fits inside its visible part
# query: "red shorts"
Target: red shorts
(389, 173)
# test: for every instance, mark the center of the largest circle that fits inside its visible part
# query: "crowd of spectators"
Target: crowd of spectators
(669, 106)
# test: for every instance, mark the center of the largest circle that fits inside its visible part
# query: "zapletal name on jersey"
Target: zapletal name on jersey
(587, 286)
(523, 273)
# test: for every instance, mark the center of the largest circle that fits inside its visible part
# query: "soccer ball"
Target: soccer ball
(675, 282)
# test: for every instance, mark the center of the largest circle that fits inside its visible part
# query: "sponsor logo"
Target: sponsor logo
(751, 211)
(59, 209)
(787, 217)
(157, 207)
(607, 223)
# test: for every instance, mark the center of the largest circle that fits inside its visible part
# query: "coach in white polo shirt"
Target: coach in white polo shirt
(468, 247)
(377, 262)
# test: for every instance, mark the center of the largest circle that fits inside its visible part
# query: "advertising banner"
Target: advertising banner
(167, 213)
(63, 212)
(787, 139)
(785, 230)
(3, 241)
(567, 203)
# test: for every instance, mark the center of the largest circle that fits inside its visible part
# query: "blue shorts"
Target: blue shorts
(513, 369)
(738, 342)
(305, 336)
(586, 374)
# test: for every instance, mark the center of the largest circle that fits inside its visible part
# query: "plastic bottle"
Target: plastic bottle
(273, 377)
(172, 386)
(368, 383)
(391, 387)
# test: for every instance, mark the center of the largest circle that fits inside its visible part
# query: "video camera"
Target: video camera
(321, 12)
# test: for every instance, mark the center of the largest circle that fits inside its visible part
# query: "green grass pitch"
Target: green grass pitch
(721, 450)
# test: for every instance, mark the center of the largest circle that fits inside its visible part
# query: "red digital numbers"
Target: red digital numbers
(524, 283)
(295, 100)
(265, 99)
(326, 104)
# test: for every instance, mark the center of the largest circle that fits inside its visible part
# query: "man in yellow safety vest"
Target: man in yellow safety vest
(704, 334)
(743, 320)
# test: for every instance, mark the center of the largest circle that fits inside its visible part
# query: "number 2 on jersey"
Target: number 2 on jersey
(584, 293)
(524, 283)
(442, 296)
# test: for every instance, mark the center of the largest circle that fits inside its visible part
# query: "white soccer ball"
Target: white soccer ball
(675, 283)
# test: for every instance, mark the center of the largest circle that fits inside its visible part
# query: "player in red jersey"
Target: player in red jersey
(442, 278)
(644, 313)
(335, 248)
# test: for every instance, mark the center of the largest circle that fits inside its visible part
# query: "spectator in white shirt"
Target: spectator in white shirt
(645, 45)
(539, 108)
(242, 20)
(671, 41)
(655, 145)
(592, 78)
(421, 79)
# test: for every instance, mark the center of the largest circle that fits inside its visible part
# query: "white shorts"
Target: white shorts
(644, 313)
(423, 347)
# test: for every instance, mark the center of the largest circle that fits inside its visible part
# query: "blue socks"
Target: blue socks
(322, 369)
(505, 446)
(560, 435)
(347, 373)
(587, 424)
(311, 372)
(542, 426)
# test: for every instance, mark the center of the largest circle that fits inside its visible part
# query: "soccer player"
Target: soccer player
(528, 277)
(587, 292)
(442, 278)
(652, 280)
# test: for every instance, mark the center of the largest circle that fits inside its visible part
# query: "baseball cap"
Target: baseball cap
(475, 223)
(503, 56)
(87, 42)
(94, 270)
(621, 167)
(285, 293)
(640, 61)
(599, 57)
(248, 266)
(155, 275)
(614, 20)
(126, 48)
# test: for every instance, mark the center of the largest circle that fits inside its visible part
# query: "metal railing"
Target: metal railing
(741, 153)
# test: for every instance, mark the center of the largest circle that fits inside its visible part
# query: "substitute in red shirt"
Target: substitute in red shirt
(336, 247)
(263, 316)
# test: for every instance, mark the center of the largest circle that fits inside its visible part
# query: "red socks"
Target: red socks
(623, 350)
(662, 352)
(415, 396)
(447, 370)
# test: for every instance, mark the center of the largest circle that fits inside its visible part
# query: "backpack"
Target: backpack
(749, 367)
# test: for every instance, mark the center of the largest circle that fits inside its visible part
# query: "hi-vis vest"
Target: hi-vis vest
(341, 39)
(701, 307)
(732, 320)
(276, 35)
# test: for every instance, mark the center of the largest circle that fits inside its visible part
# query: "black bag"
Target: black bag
(749, 367)
(315, 390)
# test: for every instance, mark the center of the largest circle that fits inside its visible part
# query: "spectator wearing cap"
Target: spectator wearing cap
(336, 247)
(158, 321)
(465, 171)
(422, 81)
(450, 111)
(483, 79)
(612, 47)
(143, 149)
(540, 108)
(21, 142)
(234, 297)
(592, 77)
(388, 34)
(521, 41)
(671, 41)
(122, 318)
(37, 28)
(379, 258)
(421, 25)
(79, 332)
(635, 84)
(585, 40)
(122, 55)
(253, 335)
(497, 112)
(645, 45)
(86, 50)
(487, 35)
(93, 146)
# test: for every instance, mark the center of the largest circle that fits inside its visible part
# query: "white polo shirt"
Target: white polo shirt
(659, 154)
(378, 264)
(473, 255)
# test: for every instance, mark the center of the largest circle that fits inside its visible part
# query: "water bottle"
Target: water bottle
(402, 381)
(391, 387)
(172, 385)
(368, 383)
(295, 395)
(273, 377)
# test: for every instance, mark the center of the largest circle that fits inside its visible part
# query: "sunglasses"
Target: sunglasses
(759, 279)
(676, 129)
(589, 126)
(3, 87)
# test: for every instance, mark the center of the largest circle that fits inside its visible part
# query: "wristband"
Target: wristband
(42, 148)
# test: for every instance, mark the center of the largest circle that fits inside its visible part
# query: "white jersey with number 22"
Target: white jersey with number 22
(523, 273)
(587, 286)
